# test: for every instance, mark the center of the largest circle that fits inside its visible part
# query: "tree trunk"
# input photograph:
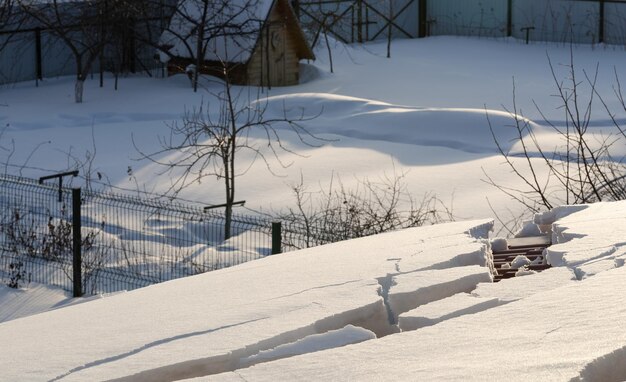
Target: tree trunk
(78, 89)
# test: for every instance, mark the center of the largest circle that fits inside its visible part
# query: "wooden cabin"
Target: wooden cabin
(264, 49)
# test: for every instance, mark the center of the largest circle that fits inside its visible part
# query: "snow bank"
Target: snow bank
(607, 368)
(445, 309)
(361, 118)
(592, 233)
(207, 323)
(411, 290)
(552, 335)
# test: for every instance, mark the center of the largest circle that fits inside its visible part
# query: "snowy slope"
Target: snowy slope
(331, 311)
(210, 323)
(570, 332)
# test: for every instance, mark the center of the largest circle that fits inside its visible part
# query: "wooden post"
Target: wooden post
(276, 238)
(77, 274)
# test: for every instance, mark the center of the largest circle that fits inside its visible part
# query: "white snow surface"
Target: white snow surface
(515, 288)
(554, 326)
(36, 298)
(207, 323)
(207, 327)
(551, 336)
(309, 344)
(418, 113)
(411, 290)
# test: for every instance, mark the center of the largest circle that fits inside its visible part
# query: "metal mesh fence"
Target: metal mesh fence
(30, 213)
(127, 242)
(136, 242)
(563, 21)
(130, 242)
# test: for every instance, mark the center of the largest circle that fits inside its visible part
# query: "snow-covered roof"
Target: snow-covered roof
(231, 28)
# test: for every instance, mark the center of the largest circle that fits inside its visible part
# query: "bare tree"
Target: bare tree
(584, 168)
(210, 32)
(80, 25)
(208, 143)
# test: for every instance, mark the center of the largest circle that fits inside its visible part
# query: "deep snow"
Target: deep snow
(421, 113)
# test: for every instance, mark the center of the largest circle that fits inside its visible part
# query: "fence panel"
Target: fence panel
(482, 18)
(135, 242)
(17, 57)
(127, 242)
(33, 226)
(557, 20)
(615, 23)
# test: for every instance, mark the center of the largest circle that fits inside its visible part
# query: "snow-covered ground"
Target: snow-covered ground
(422, 112)
(349, 309)
(331, 313)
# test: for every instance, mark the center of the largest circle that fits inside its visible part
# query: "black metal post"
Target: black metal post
(509, 19)
(276, 238)
(38, 56)
(601, 22)
(527, 29)
(76, 243)
(60, 177)
(423, 16)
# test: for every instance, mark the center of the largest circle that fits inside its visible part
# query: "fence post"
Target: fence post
(38, 57)
(423, 17)
(509, 19)
(276, 238)
(601, 22)
(76, 243)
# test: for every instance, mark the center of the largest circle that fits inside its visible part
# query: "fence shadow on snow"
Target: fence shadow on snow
(126, 242)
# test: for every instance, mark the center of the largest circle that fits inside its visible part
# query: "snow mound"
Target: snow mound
(519, 261)
(528, 229)
(499, 244)
(607, 368)
(445, 309)
(454, 128)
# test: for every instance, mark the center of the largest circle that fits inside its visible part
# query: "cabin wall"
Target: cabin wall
(275, 61)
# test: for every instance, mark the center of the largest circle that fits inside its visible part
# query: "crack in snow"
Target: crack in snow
(314, 288)
(386, 283)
